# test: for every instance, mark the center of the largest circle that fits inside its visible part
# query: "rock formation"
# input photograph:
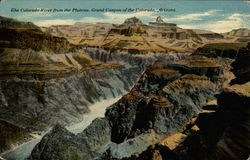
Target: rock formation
(223, 134)
(225, 50)
(34, 39)
(197, 65)
(63, 145)
(220, 132)
(132, 22)
(160, 104)
(9, 22)
(134, 35)
(159, 20)
(241, 66)
(241, 32)
(160, 23)
(46, 80)
(11, 135)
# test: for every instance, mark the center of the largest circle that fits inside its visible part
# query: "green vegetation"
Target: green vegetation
(72, 153)
(181, 129)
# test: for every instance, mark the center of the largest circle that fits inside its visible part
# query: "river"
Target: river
(96, 110)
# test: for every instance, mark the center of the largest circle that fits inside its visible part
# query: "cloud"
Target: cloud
(109, 17)
(33, 15)
(124, 16)
(40, 14)
(46, 23)
(191, 17)
(233, 21)
(225, 24)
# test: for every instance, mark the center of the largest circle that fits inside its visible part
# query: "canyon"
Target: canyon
(131, 91)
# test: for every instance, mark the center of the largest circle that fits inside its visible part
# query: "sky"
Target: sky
(218, 16)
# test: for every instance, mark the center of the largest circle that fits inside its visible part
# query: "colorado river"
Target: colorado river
(96, 110)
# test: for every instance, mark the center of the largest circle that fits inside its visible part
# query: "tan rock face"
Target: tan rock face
(226, 50)
(132, 22)
(195, 128)
(242, 32)
(156, 155)
(33, 38)
(157, 36)
(29, 53)
(26, 63)
(80, 32)
(173, 140)
(241, 90)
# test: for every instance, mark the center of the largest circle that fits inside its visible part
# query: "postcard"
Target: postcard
(124, 80)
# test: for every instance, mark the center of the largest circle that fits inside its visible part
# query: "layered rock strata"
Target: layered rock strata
(160, 104)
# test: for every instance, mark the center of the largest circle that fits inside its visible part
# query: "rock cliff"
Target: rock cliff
(241, 66)
(225, 50)
(241, 32)
(9, 22)
(33, 38)
(161, 103)
(223, 134)
(132, 22)
(221, 131)
(47, 80)
(48, 102)
(11, 134)
(62, 144)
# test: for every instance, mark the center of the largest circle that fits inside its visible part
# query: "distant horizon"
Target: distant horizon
(120, 23)
(216, 16)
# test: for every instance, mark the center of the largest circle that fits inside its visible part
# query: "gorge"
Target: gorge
(122, 92)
